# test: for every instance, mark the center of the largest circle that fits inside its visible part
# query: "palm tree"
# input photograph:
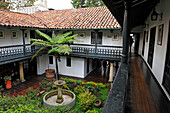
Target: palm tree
(56, 44)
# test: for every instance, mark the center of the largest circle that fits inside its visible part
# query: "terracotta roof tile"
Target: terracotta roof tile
(84, 18)
(14, 19)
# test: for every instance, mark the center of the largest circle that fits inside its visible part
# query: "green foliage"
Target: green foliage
(79, 89)
(86, 100)
(90, 87)
(94, 83)
(86, 3)
(46, 85)
(23, 104)
(7, 78)
(18, 4)
(65, 86)
(92, 111)
(55, 43)
(104, 93)
(32, 93)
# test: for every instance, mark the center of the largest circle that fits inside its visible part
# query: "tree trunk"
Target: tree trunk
(57, 76)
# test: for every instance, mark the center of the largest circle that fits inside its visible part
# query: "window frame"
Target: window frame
(12, 36)
(68, 61)
(2, 34)
(50, 60)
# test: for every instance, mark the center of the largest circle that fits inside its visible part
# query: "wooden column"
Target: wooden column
(23, 37)
(102, 68)
(111, 72)
(21, 70)
(126, 33)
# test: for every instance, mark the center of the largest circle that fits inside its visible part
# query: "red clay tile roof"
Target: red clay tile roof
(13, 19)
(84, 18)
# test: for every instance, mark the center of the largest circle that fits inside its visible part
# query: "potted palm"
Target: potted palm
(55, 44)
(8, 82)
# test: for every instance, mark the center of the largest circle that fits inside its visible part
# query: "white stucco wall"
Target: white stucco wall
(107, 38)
(8, 41)
(76, 69)
(159, 51)
(43, 64)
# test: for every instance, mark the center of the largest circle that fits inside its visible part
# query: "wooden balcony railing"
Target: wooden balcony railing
(99, 50)
(17, 51)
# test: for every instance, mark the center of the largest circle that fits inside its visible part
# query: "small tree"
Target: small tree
(7, 4)
(56, 44)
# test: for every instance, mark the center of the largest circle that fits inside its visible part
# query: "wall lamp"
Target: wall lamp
(154, 15)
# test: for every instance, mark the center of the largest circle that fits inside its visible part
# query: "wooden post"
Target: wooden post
(111, 72)
(21, 70)
(126, 33)
(96, 34)
(23, 37)
(102, 68)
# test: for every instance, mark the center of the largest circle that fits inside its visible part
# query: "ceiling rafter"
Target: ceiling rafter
(140, 10)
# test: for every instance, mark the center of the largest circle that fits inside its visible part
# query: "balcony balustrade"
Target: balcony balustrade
(83, 50)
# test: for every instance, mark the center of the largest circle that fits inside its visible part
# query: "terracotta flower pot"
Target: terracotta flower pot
(97, 103)
(50, 73)
(8, 84)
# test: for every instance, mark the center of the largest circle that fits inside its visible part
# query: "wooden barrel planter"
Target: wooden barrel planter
(50, 73)
(8, 84)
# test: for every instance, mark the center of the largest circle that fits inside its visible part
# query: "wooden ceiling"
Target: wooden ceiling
(139, 10)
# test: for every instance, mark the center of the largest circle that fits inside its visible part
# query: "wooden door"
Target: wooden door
(143, 48)
(151, 46)
(166, 80)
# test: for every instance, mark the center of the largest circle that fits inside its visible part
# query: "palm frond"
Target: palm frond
(64, 49)
(52, 50)
(44, 35)
(60, 37)
(53, 36)
(67, 39)
(39, 40)
(40, 44)
(38, 52)
(74, 40)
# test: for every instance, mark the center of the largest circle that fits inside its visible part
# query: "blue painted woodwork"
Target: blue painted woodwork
(16, 52)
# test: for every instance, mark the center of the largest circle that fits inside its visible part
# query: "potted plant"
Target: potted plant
(8, 82)
(50, 73)
(97, 103)
(1, 88)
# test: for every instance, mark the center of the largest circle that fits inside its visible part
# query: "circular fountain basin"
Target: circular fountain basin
(69, 98)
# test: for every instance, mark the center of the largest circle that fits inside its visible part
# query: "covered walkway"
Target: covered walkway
(144, 95)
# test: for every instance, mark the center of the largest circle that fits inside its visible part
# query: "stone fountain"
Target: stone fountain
(59, 97)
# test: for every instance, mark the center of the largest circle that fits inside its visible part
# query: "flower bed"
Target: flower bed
(87, 93)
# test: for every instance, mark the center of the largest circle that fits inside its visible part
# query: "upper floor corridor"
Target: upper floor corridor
(144, 94)
(19, 52)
